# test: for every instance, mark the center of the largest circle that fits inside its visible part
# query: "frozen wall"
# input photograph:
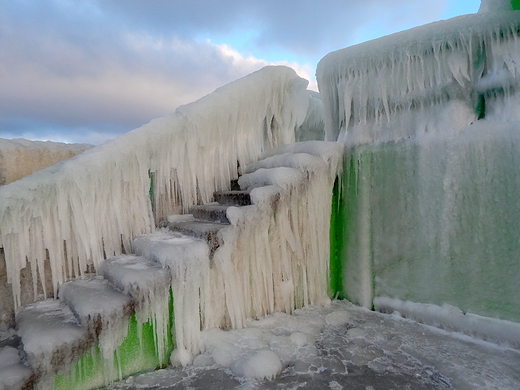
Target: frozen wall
(427, 208)
(65, 219)
(21, 157)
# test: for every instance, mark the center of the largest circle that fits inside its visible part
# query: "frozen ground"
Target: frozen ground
(339, 347)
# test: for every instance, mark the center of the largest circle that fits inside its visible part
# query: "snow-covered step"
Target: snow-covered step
(207, 231)
(51, 335)
(149, 284)
(14, 374)
(96, 303)
(233, 198)
(213, 212)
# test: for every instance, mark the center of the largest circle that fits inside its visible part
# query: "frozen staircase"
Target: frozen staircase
(119, 321)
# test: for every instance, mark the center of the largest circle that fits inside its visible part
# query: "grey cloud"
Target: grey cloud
(304, 27)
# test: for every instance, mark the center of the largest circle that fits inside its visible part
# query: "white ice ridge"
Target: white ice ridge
(453, 319)
(21, 157)
(78, 212)
(432, 78)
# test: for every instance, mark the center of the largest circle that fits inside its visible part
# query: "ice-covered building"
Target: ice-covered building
(427, 210)
(21, 157)
(118, 259)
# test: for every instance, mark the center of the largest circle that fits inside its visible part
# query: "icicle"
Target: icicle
(96, 203)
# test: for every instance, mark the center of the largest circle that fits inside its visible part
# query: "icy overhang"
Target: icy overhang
(457, 60)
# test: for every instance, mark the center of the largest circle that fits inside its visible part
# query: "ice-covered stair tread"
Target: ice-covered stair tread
(135, 275)
(51, 334)
(301, 161)
(328, 151)
(94, 297)
(282, 177)
(168, 247)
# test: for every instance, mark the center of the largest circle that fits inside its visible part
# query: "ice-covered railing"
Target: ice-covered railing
(443, 75)
(77, 213)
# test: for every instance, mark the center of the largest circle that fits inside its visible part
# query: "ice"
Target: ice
(77, 213)
(149, 284)
(51, 335)
(313, 126)
(454, 319)
(102, 310)
(21, 157)
(187, 258)
(274, 255)
(344, 346)
(495, 5)
(429, 79)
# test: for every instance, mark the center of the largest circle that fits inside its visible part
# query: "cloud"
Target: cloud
(97, 68)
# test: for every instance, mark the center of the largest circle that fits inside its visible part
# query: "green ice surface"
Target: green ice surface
(432, 221)
(136, 354)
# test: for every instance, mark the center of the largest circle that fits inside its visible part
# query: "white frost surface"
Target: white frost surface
(187, 258)
(46, 327)
(453, 319)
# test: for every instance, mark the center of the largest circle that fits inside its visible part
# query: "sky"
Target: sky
(88, 70)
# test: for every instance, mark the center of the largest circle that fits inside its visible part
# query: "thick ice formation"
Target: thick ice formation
(187, 258)
(21, 157)
(51, 335)
(435, 78)
(79, 212)
(273, 257)
(430, 120)
(495, 5)
(149, 284)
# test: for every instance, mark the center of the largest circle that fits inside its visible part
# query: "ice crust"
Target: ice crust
(273, 256)
(98, 306)
(341, 346)
(52, 336)
(149, 284)
(92, 206)
(429, 79)
(454, 319)
(187, 258)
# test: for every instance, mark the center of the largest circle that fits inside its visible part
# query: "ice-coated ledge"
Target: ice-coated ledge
(453, 319)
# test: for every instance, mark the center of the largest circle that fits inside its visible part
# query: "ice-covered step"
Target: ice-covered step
(14, 374)
(203, 230)
(51, 335)
(149, 283)
(96, 303)
(136, 275)
(233, 198)
(213, 212)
